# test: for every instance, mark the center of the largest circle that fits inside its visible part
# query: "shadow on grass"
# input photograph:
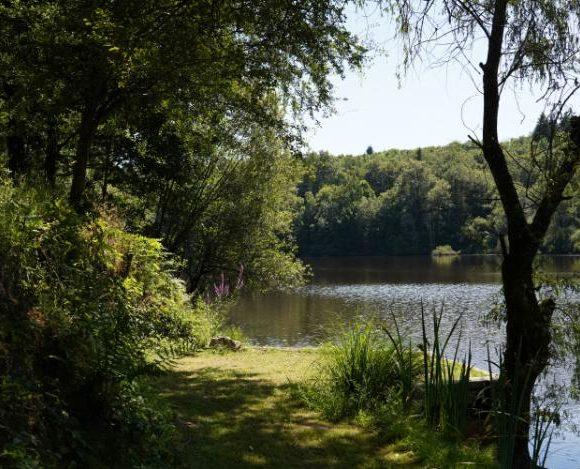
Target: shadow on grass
(233, 419)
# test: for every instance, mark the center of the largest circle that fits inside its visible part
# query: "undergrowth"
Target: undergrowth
(86, 308)
(414, 396)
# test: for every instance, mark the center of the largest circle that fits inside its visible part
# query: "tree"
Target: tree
(526, 40)
(543, 128)
(164, 106)
(95, 62)
(370, 150)
(165, 118)
(217, 206)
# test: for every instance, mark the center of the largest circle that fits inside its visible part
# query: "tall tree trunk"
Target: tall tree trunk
(527, 345)
(527, 328)
(106, 169)
(18, 162)
(87, 130)
(52, 155)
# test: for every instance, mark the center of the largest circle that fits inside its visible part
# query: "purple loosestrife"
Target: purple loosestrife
(222, 290)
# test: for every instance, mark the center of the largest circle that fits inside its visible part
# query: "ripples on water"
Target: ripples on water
(344, 289)
(405, 302)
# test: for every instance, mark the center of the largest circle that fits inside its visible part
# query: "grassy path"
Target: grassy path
(236, 410)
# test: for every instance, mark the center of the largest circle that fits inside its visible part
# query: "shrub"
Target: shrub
(85, 308)
(363, 370)
(445, 250)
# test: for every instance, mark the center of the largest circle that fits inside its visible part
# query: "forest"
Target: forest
(401, 202)
(154, 168)
(145, 155)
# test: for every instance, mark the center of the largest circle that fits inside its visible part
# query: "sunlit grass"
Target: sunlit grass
(239, 410)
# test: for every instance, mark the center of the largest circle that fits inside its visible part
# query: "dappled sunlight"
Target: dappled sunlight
(235, 417)
(241, 410)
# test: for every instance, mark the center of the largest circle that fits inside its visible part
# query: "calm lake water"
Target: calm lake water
(344, 289)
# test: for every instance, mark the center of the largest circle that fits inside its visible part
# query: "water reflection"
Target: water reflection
(408, 269)
(308, 315)
(344, 288)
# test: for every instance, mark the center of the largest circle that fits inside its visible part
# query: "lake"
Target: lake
(343, 289)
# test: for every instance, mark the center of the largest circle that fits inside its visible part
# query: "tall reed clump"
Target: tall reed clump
(362, 371)
(544, 422)
(408, 363)
(446, 398)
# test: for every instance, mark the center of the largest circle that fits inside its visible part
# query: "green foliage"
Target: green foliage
(444, 250)
(109, 101)
(242, 218)
(363, 371)
(446, 398)
(85, 309)
(372, 374)
(168, 123)
(421, 402)
(444, 197)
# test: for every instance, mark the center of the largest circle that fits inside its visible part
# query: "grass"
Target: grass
(239, 409)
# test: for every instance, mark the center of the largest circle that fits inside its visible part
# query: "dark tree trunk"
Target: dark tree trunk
(106, 169)
(18, 162)
(105, 186)
(527, 344)
(52, 155)
(527, 328)
(87, 130)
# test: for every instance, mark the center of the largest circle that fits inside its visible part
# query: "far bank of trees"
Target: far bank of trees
(401, 202)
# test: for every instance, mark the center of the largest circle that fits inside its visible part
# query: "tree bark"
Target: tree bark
(106, 169)
(52, 155)
(528, 322)
(17, 158)
(87, 130)
(527, 350)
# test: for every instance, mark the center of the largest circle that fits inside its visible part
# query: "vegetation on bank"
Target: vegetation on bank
(87, 308)
(376, 378)
(446, 250)
(145, 175)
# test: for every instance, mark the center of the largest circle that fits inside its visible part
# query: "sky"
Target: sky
(429, 106)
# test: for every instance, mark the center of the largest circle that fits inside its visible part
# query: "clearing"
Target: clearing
(236, 409)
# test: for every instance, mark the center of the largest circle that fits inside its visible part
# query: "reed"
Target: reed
(544, 422)
(446, 397)
(408, 364)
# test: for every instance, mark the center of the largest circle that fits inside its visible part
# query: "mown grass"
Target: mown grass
(240, 409)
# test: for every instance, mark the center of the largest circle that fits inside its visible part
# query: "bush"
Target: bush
(85, 309)
(363, 371)
(445, 250)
